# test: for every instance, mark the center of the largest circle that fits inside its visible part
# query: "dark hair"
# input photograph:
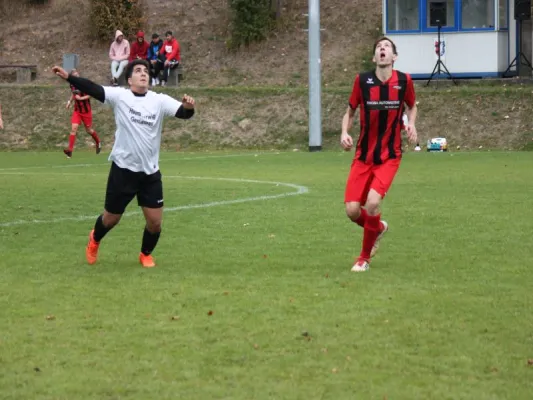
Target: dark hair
(155, 35)
(381, 39)
(168, 33)
(131, 66)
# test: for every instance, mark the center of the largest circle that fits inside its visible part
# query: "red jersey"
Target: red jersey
(382, 106)
(81, 106)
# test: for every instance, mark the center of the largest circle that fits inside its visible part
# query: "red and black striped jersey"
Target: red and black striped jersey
(382, 106)
(81, 106)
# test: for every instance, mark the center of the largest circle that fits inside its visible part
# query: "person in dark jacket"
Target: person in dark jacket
(153, 58)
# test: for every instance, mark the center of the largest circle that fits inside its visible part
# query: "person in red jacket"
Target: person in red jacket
(170, 55)
(139, 49)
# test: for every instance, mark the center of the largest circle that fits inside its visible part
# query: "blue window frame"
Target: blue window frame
(478, 15)
(413, 16)
(402, 16)
(503, 14)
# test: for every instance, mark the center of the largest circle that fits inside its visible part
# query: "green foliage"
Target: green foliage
(251, 21)
(109, 15)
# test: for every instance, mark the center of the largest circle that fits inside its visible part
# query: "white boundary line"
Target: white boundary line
(298, 190)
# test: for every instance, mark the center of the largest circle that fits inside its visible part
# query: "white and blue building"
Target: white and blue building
(479, 38)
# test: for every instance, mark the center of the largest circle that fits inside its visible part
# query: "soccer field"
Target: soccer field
(253, 297)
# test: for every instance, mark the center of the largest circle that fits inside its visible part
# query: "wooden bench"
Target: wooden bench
(176, 75)
(25, 73)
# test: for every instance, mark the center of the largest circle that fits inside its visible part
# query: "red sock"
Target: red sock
(362, 218)
(94, 135)
(370, 235)
(71, 141)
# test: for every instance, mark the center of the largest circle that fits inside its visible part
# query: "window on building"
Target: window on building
(477, 14)
(439, 10)
(402, 15)
(502, 6)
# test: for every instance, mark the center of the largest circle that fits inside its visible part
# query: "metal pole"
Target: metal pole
(315, 120)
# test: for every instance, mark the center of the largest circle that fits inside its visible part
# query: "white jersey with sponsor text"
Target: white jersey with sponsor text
(139, 121)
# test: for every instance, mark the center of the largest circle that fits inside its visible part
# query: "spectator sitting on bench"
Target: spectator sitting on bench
(169, 55)
(119, 53)
(153, 58)
(139, 48)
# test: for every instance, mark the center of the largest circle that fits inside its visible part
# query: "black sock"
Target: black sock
(149, 241)
(99, 229)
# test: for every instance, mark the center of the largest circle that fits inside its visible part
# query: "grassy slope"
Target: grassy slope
(469, 116)
(42, 35)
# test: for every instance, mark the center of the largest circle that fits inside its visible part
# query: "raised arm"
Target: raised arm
(87, 86)
(84, 85)
(186, 110)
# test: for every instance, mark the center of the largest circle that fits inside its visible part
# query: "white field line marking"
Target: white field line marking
(163, 160)
(298, 190)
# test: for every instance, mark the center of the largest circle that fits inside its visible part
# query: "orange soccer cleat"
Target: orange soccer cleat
(147, 261)
(91, 252)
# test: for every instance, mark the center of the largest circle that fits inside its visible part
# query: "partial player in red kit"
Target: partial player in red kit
(82, 114)
(383, 95)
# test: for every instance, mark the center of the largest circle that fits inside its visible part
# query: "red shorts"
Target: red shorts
(78, 118)
(364, 177)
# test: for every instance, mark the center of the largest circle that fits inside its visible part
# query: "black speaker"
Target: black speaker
(437, 13)
(522, 10)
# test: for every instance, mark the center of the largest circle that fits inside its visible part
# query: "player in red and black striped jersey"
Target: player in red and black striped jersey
(82, 114)
(382, 95)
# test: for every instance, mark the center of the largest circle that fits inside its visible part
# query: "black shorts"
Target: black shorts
(123, 185)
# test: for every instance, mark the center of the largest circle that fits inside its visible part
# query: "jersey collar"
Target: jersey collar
(138, 94)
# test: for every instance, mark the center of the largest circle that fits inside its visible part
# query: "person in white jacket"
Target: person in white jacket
(119, 53)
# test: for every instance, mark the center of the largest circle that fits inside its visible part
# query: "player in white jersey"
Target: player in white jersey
(139, 115)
